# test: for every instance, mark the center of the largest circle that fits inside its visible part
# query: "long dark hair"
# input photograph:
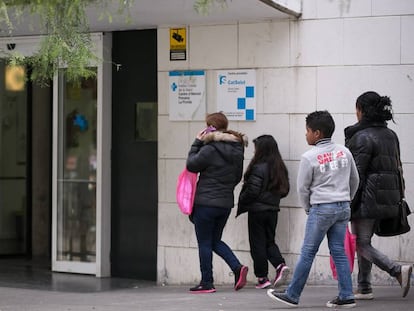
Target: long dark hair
(375, 107)
(267, 151)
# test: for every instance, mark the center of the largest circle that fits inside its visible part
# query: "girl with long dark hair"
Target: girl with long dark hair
(266, 181)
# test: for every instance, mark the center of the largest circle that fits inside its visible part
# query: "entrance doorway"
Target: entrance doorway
(47, 201)
(25, 166)
(81, 171)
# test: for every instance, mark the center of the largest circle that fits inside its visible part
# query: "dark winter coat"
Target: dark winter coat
(376, 152)
(219, 160)
(254, 196)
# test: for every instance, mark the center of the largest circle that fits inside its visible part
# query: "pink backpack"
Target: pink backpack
(186, 187)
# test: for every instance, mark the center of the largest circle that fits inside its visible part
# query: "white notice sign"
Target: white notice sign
(187, 95)
(236, 94)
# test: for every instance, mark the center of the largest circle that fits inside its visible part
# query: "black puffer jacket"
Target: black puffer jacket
(254, 196)
(219, 160)
(375, 149)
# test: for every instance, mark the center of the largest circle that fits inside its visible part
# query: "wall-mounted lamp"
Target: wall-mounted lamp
(15, 78)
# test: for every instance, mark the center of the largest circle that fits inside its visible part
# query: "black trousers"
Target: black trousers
(262, 227)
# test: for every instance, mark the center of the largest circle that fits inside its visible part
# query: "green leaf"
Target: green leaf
(68, 40)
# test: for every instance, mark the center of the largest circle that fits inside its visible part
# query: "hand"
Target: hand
(201, 134)
(207, 130)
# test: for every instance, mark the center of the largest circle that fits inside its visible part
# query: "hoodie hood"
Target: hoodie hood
(224, 136)
(228, 145)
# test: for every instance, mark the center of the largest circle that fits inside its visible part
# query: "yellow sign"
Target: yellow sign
(178, 40)
(178, 43)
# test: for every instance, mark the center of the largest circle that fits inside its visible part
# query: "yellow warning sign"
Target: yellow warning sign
(178, 44)
(178, 40)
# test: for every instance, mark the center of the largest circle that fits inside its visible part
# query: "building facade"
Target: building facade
(324, 60)
(96, 187)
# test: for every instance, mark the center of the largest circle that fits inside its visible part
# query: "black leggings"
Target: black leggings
(262, 227)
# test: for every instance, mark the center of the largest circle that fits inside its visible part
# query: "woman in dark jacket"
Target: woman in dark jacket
(375, 148)
(266, 181)
(217, 154)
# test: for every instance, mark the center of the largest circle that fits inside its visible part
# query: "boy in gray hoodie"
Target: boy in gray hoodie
(327, 181)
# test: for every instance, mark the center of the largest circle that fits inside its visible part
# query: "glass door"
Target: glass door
(81, 179)
(76, 173)
(14, 211)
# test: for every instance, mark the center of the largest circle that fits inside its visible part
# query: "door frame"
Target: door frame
(101, 267)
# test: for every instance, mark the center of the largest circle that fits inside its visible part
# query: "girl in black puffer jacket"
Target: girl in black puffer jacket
(217, 154)
(266, 181)
(376, 152)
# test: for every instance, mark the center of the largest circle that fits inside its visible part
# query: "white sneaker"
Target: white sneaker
(365, 296)
(406, 271)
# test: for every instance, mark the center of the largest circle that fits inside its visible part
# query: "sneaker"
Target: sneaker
(263, 283)
(281, 297)
(240, 277)
(364, 295)
(202, 289)
(282, 272)
(338, 303)
(404, 278)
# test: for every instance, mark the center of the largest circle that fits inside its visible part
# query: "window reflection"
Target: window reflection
(77, 171)
(146, 121)
(13, 146)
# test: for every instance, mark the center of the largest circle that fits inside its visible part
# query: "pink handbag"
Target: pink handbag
(186, 187)
(350, 249)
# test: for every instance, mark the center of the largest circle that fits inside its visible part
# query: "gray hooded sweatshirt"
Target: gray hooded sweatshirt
(327, 174)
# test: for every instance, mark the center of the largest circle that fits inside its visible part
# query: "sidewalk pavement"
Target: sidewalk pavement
(138, 295)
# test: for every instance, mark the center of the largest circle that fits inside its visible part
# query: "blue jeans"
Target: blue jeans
(331, 220)
(209, 224)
